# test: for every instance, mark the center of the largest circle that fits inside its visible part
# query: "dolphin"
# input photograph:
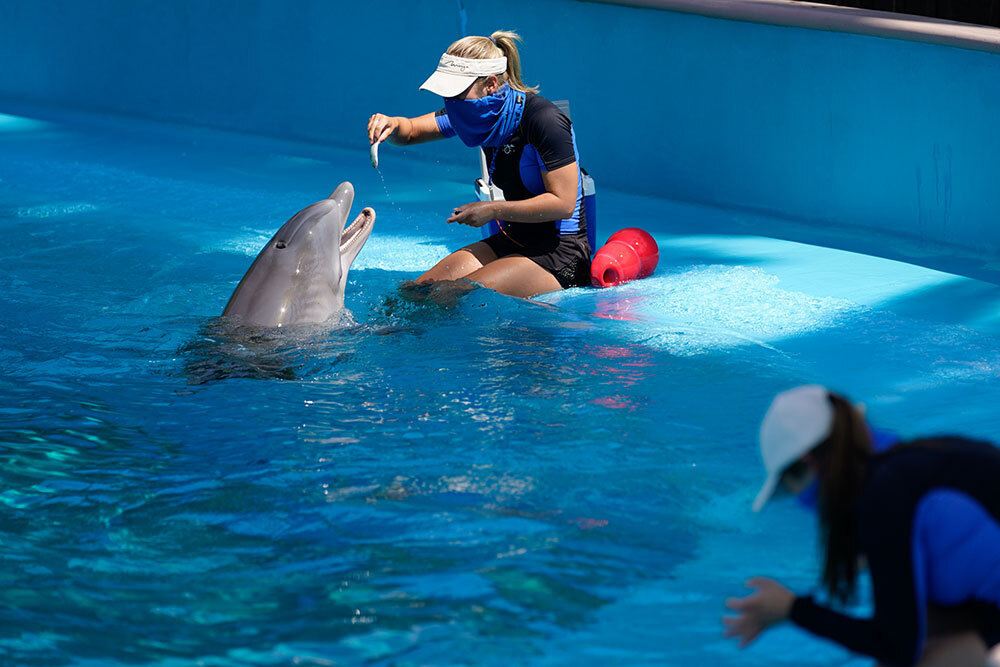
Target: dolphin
(300, 275)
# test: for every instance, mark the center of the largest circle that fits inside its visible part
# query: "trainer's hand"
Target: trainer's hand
(380, 127)
(476, 214)
(771, 604)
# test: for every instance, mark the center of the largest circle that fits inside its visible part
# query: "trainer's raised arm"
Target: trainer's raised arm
(402, 131)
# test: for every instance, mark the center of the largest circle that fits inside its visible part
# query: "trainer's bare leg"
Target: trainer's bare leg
(515, 275)
(460, 263)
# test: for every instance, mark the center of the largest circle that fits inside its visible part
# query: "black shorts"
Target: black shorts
(565, 256)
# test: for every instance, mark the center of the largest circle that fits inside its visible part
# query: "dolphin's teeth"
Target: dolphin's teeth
(364, 220)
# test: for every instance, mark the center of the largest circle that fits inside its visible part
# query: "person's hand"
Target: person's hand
(476, 214)
(380, 127)
(771, 604)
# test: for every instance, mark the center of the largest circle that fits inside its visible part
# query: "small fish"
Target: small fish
(374, 154)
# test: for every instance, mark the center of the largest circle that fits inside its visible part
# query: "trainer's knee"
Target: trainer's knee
(481, 251)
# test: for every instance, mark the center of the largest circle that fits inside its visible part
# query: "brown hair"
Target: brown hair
(502, 43)
(842, 460)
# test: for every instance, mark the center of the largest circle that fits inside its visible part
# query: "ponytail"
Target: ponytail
(506, 41)
(501, 44)
(843, 463)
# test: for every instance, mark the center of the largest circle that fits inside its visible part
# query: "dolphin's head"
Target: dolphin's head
(300, 275)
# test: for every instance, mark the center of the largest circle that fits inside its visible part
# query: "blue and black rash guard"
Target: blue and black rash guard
(930, 531)
(544, 141)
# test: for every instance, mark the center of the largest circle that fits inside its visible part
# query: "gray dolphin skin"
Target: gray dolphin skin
(300, 275)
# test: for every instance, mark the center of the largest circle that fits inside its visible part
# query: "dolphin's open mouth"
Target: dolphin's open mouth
(358, 230)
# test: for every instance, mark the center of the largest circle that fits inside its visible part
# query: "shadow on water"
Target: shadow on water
(959, 301)
(228, 349)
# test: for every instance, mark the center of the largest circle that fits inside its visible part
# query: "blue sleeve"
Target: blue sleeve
(444, 124)
(958, 536)
(882, 439)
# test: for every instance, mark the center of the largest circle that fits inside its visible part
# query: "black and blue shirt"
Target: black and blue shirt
(929, 524)
(544, 141)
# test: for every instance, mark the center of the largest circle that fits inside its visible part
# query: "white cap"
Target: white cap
(455, 74)
(798, 420)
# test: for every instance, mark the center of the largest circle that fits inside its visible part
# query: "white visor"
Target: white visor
(455, 74)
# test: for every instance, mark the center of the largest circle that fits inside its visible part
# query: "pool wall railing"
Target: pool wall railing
(832, 118)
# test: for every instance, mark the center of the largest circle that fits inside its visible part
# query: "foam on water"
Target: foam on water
(400, 253)
(51, 210)
(698, 309)
(248, 244)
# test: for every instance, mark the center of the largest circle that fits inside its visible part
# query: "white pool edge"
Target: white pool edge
(835, 19)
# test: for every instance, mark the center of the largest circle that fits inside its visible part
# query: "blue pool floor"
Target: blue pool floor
(498, 481)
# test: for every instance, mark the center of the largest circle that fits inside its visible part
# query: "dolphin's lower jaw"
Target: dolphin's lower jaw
(358, 231)
(351, 242)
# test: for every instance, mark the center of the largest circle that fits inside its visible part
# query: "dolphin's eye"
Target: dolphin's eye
(280, 245)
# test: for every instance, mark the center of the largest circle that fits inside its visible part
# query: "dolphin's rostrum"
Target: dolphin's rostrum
(300, 275)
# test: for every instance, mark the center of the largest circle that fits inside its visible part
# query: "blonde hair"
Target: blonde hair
(502, 43)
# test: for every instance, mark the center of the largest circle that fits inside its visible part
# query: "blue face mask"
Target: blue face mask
(488, 121)
(809, 496)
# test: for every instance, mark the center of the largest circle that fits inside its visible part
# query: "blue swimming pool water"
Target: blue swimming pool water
(487, 482)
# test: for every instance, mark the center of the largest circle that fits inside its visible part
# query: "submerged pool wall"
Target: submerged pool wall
(827, 128)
